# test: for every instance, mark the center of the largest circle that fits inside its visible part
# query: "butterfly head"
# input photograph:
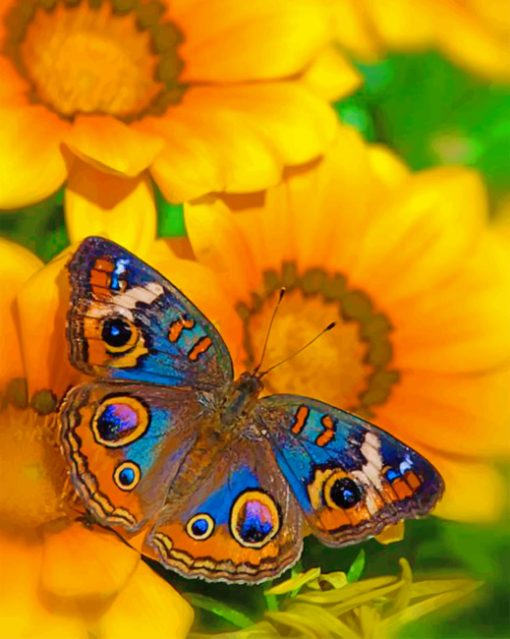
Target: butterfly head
(241, 398)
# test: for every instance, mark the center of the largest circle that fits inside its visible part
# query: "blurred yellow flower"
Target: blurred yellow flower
(60, 578)
(473, 33)
(328, 607)
(415, 278)
(204, 96)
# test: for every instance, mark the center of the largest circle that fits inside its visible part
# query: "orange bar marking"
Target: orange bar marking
(178, 326)
(300, 419)
(329, 431)
(412, 479)
(200, 347)
(102, 264)
(100, 279)
(402, 489)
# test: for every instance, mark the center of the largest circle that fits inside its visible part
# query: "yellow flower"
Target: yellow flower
(60, 578)
(203, 96)
(473, 33)
(326, 606)
(418, 284)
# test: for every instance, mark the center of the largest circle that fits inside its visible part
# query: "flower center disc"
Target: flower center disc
(347, 366)
(33, 470)
(97, 58)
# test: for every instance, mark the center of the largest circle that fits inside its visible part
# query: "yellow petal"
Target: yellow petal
(23, 612)
(401, 24)
(112, 146)
(391, 534)
(17, 265)
(331, 76)
(461, 325)
(229, 41)
(389, 171)
(81, 562)
(331, 205)
(219, 244)
(294, 583)
(13, 89)
(502, 218)
(460, 414)
(207, 152)
(31, 163)
(352, 29)
(238, 137)
(420, 237)
(470, 41)
(474, 491)
(121, 209)
(146, 607)
(42, 310)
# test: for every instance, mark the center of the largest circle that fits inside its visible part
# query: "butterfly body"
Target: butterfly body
(222, 482)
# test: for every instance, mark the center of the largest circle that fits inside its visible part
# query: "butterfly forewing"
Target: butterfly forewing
(350, 478)
(128, 322)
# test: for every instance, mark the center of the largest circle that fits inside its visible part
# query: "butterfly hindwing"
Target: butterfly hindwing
(124, 444)
(350, 478)
(128, 322)
(237, 522)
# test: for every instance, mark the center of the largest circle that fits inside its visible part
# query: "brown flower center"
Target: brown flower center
(349, 367)
(117, 56)
(32, 490)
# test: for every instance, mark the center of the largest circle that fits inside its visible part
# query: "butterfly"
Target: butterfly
(221, 483)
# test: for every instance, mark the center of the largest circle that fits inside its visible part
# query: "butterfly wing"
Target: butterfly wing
(126, 321)
(125, 444)
(351, 479)
(238, 521)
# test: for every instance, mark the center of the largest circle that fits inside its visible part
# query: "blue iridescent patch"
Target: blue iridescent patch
(116, 421)
(200, 527)
(392, 474)
(255, 522)
(127, 476)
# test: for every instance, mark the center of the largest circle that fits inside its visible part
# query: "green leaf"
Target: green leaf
(357, 567)
(170, 218)
(235, 617)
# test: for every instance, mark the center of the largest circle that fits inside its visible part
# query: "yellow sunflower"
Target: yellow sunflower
(415, 278)
(473, 33)
(202, 95)
(60, 578)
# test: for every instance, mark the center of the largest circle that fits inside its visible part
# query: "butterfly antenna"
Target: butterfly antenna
(324, 330)
(268, 332)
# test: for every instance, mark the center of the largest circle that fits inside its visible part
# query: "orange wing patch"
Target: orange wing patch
(199, 348)
(300, 419)
(176, 328)
(329, 431)
(100, 278)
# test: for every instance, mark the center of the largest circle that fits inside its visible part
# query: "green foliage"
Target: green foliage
(433, 113)
(40, 227)
(436, 549)
(170, 217)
